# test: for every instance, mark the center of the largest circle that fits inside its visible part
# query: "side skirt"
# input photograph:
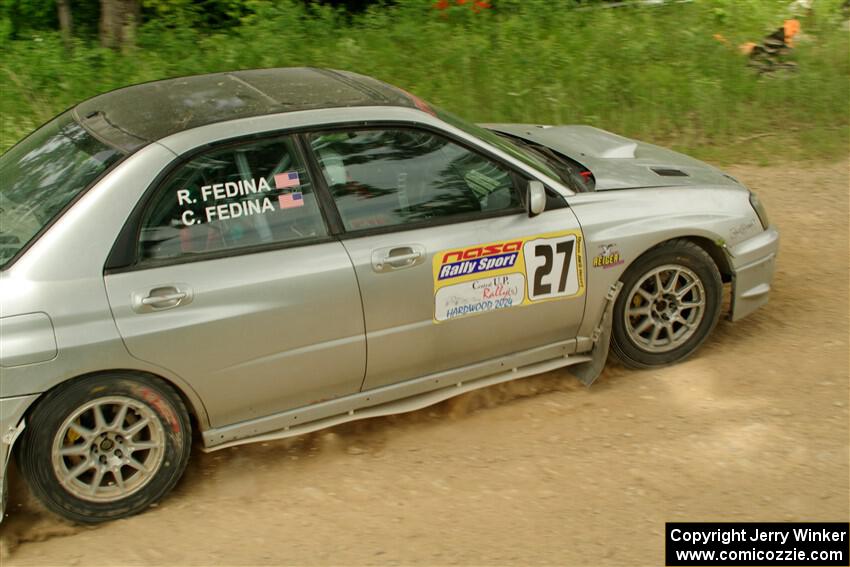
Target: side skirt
(369, 404)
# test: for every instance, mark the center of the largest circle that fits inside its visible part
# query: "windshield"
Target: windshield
(42, 174)
(491, 138)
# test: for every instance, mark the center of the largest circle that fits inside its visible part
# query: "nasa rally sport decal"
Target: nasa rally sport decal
(508, 273)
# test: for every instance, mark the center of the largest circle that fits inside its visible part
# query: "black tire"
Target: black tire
(633, 349)
(151, 405)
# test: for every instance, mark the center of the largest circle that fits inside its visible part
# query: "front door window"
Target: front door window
(400, 177)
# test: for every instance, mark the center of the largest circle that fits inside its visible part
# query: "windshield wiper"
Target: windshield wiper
(551, 158)
(566, 173)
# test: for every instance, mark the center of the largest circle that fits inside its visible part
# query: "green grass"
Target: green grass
(653, 73)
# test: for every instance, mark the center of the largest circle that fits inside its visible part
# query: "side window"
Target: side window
(394, 177)
(229, 198)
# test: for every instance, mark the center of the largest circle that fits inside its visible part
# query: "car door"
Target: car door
(238, 288)
(452, 270)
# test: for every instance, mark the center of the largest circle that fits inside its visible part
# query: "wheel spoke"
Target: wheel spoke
(671, 284)
(80, 468)
(136, 427)
(83, 432)
(120, 416)
(137, 465)
(99, 421)
(669, 327)
(645, 324)
(119, 478)
(143, 446)
(656, 330)
(70, 450)
(642, 310)
(646, 295)
(98, 478)
(691, 304)
(659, 287)
(684, 291)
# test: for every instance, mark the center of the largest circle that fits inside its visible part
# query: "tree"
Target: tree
(66, 22)
(118, 22)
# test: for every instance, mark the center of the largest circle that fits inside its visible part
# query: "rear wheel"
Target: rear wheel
(105, 447)
(669, 304)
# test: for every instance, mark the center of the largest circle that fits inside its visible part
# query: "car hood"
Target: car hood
(617, 162)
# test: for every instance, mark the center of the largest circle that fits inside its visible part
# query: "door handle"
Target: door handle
(402, 259)
(397, 257)
(161, 298)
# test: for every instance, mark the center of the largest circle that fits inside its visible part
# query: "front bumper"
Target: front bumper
(11, 424)
(753, 264)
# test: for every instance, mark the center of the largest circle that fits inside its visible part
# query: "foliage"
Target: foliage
(656, 73)
(19, 18)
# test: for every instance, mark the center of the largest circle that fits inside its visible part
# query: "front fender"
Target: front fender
(620, 226)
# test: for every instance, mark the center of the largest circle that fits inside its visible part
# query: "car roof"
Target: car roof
(131, 117)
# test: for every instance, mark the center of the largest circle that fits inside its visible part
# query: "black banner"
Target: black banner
(757, 543)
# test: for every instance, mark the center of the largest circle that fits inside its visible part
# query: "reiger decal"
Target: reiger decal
(509, 273)
(608, 257)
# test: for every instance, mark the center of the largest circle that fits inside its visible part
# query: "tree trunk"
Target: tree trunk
(118, 21)
(66, 23)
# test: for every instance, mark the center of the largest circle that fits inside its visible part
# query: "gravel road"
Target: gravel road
(541, 471)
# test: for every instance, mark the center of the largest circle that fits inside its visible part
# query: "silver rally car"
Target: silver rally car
(259, 254)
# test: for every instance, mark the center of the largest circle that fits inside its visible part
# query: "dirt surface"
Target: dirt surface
(541, 471)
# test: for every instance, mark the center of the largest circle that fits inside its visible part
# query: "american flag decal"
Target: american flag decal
(291, 200)
(286, 180)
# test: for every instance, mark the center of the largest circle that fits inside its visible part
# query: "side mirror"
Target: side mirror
(535, 198)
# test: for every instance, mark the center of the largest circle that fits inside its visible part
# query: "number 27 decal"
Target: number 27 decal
(550, 265)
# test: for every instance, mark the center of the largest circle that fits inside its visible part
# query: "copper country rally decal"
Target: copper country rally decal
(508, 273)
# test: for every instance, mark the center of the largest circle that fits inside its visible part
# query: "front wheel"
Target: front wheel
(669, 304)
(105, 447)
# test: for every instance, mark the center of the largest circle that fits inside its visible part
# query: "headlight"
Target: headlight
(760, 210)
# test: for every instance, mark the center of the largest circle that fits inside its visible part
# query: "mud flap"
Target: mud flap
(8, 439)
(588, 372)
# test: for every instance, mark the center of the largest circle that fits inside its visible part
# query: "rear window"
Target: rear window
(233, 198)
(41, 175)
